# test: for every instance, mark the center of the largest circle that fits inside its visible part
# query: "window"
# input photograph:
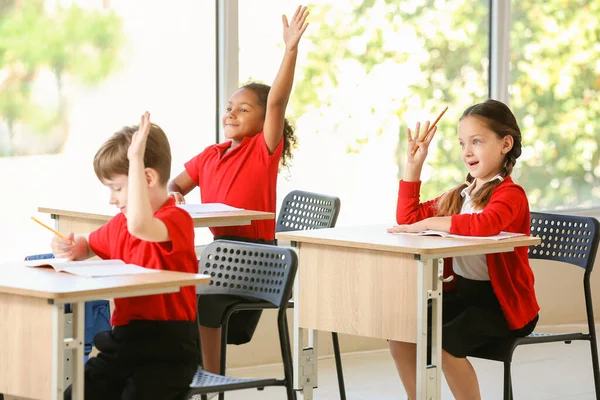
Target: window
(74, 72)
(555, 94)
(366, 71)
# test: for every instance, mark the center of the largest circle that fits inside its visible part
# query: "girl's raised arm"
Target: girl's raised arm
(282, 86)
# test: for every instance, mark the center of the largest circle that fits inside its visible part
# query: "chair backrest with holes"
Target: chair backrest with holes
(566, 238)
(257, 271)
(305, 210)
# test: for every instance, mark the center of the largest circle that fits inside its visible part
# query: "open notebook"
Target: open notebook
(500, 236)
(91, 268)
(199, 209)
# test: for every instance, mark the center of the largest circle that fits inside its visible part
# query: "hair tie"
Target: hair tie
(500, 178)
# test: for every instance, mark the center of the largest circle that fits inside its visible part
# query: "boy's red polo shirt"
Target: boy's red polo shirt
(113, 241)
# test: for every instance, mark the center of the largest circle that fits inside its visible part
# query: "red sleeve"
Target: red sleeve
(99, 240)
(508, 204)
(264, 149)
(408, 209)
(194, 167)
(180, 226)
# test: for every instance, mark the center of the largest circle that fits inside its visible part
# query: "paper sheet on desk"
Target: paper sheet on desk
(91, 268)
(500, 236)
(195, 209)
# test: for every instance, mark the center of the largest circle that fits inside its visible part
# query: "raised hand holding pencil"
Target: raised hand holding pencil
(417, 158)
(429, 131)
(418, 145)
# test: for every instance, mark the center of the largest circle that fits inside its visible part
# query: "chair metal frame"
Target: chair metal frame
(260, 272)
(571, 240)
(300, 210)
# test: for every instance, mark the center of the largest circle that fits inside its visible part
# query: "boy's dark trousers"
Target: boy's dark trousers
(143, 360)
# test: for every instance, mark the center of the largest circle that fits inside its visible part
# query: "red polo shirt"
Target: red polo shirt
(244, 177)
(113, 241)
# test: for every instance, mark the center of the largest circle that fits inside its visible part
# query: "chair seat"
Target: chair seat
(205, 382)
(502, 350)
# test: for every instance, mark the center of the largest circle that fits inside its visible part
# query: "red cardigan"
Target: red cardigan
(510, 273)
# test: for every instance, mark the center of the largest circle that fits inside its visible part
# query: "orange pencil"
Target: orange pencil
(52, 230)
(426, 135)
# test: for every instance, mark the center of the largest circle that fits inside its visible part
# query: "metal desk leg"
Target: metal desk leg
(58, 353)
(68, 357)
(429, 377)
(76, 345)
(68, 350)
(305, 358)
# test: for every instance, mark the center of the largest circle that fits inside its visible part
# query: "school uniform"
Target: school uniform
(244, 177)
(152, 351)
(493, 294)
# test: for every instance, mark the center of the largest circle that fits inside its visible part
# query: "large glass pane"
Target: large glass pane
(74, 72)
(555, 94)
(366, 71)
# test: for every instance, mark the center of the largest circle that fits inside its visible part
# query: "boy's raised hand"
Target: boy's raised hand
(137, 148)
(293, 31)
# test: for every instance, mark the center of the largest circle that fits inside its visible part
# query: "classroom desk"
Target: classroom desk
(364, 281)
(81, 222)
(33, 342)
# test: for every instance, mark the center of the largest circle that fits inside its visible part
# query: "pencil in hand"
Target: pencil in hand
(53, 231)
(426, 135)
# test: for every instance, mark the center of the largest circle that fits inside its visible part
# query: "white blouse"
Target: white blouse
(471, 267)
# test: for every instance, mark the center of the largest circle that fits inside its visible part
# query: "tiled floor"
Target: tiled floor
(541, 372)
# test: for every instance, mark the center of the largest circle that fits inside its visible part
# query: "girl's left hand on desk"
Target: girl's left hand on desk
(416, 227)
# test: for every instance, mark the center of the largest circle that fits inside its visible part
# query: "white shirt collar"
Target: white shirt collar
(467, 191)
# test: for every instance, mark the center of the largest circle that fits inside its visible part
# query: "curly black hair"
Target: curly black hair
(290, 140)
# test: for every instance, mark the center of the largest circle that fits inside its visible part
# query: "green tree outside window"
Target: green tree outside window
(52, 48)
(435, 53)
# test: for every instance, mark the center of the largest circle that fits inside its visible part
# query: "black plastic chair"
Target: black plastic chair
(568, 239)
(257, 272)
(299, 211)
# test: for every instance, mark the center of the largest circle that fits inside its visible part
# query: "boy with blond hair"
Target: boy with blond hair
(152, 350)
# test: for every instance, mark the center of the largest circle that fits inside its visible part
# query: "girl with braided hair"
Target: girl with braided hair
(494, 294)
